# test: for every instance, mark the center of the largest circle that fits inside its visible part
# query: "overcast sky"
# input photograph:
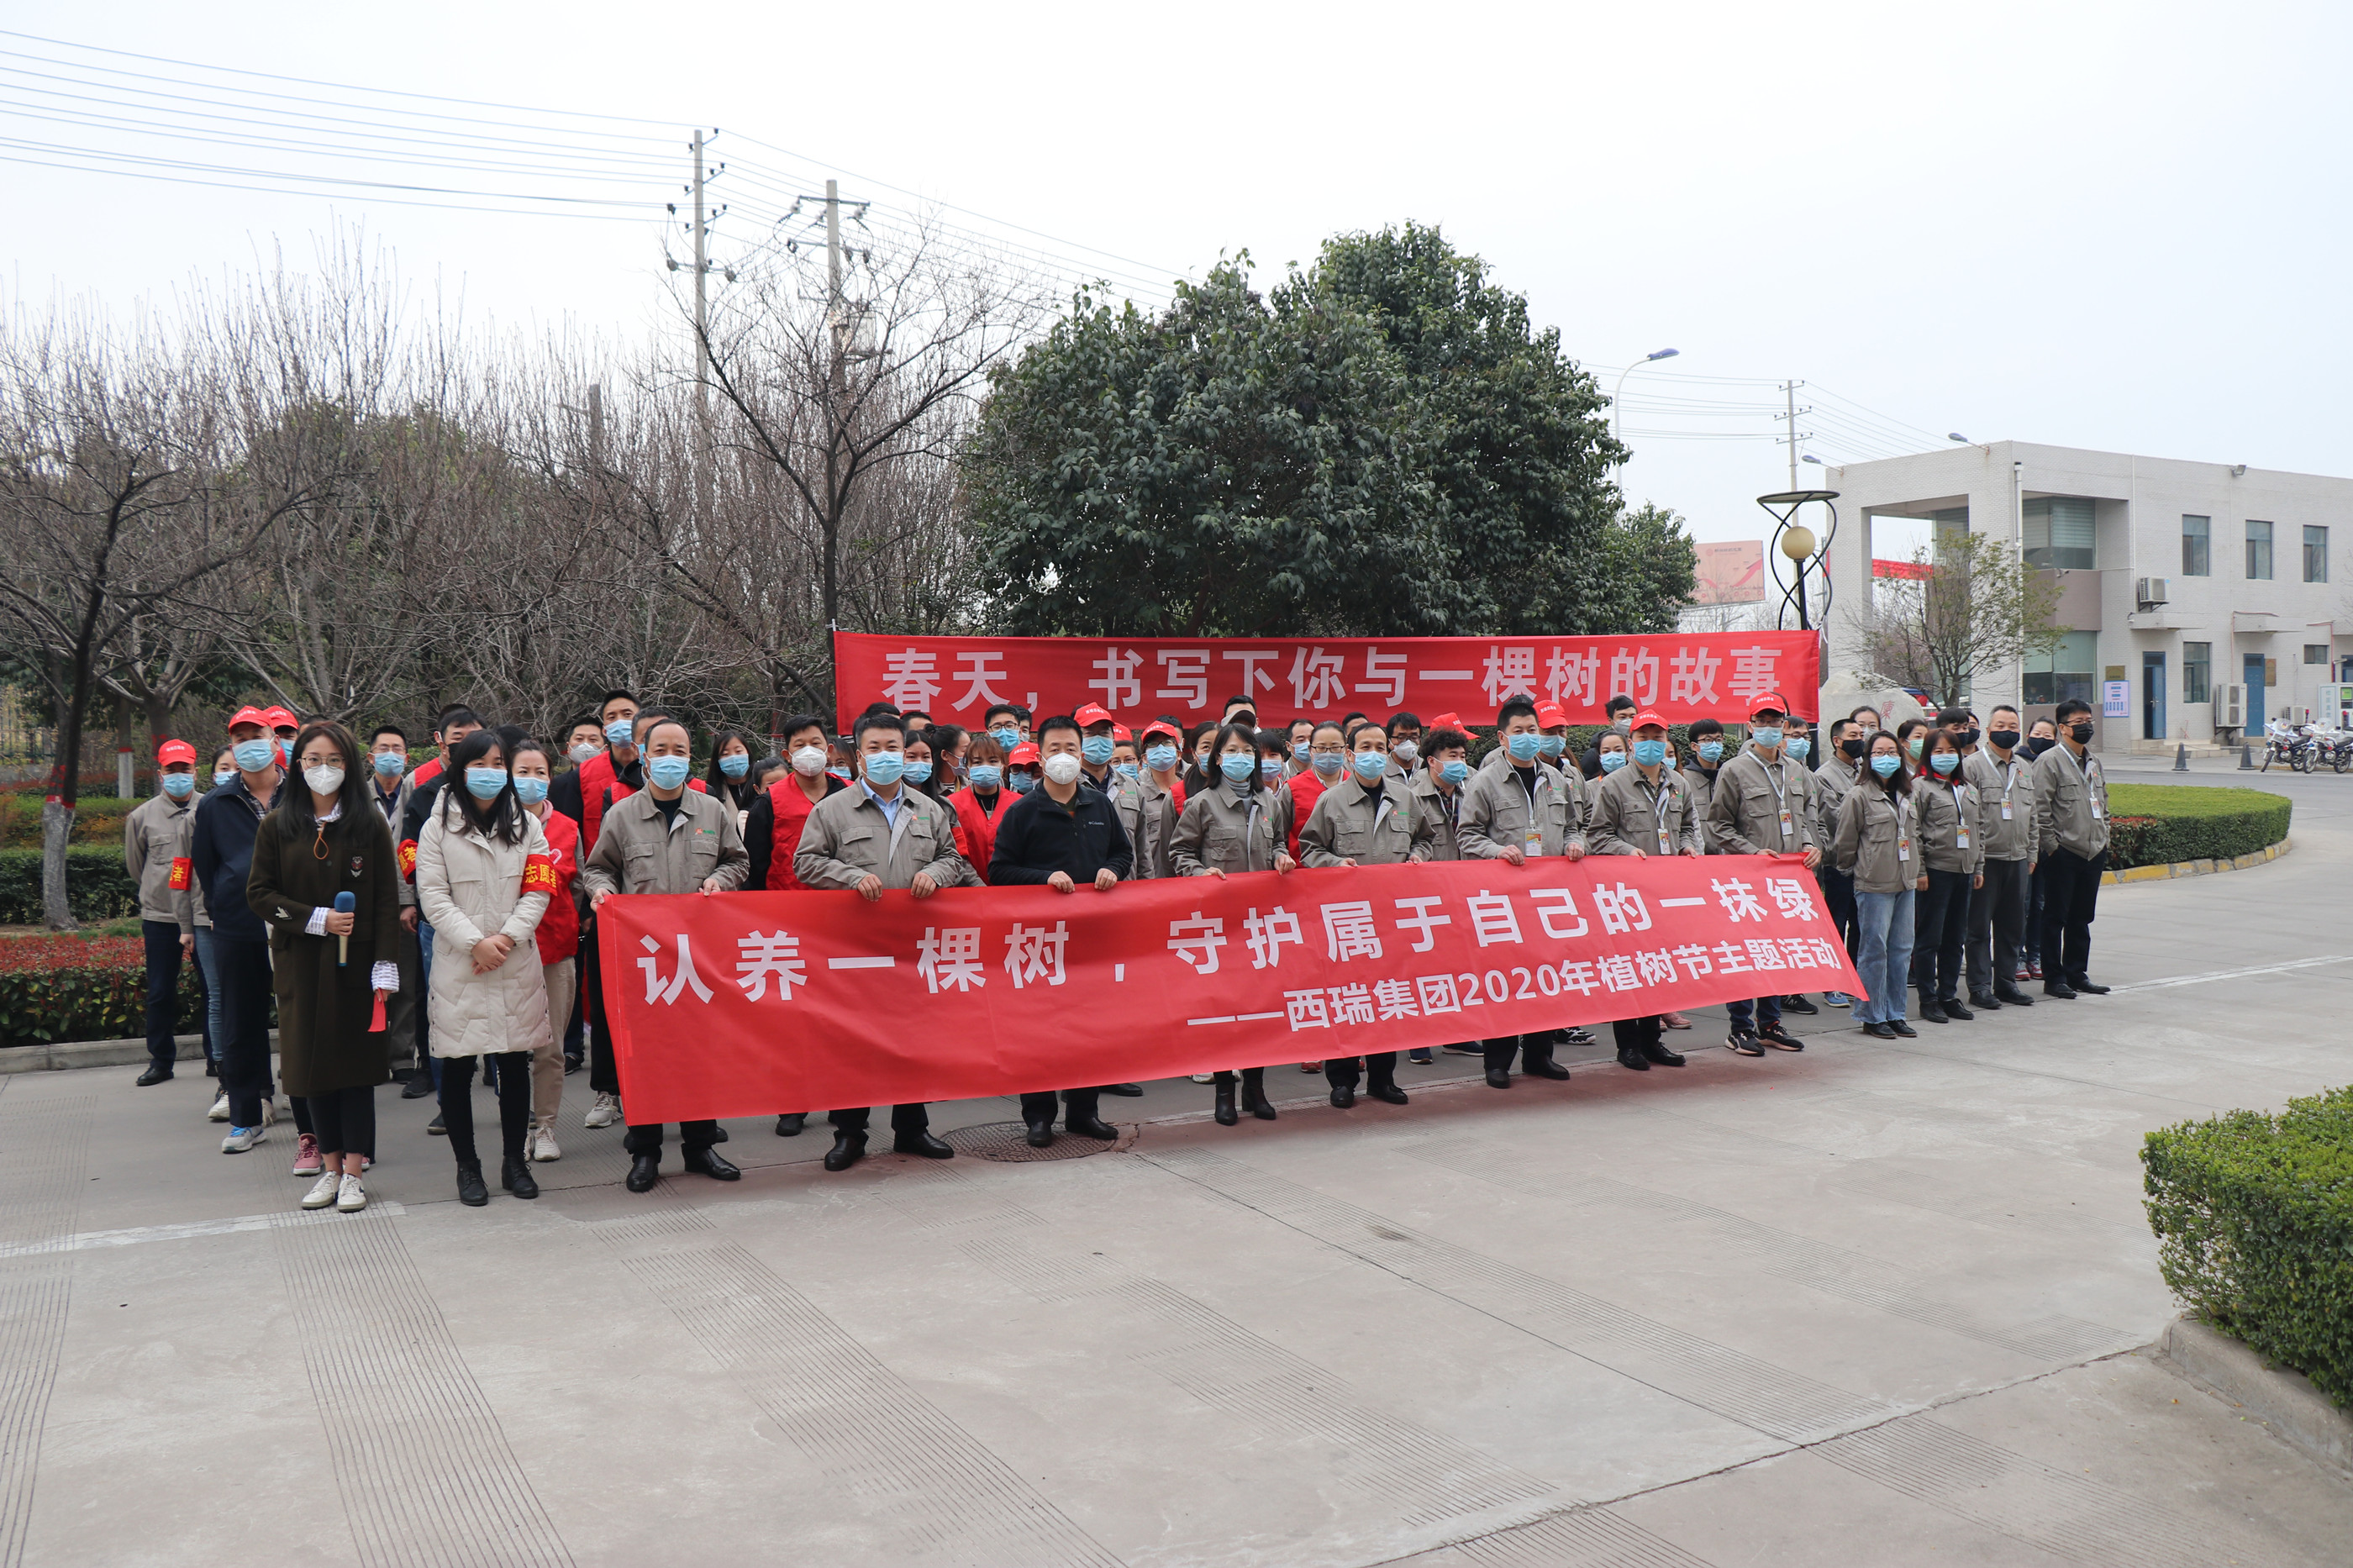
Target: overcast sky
(2120, 226)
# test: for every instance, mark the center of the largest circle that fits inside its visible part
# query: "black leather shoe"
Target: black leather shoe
(1628, 1057)
(419, 1085)
(922, 1144)
(848, 1149)
(514, 1176)
(1794, 1003)
(719, 1136)
(1930, 1013)
(471, 1191)
(1124, 1090)
(1904, 1028)
(572, 1065)
(1390, 1094)
(2085, 988)
(1499, 1077)
(161, 1072)
(1091, 1127)
(1984, 1002)
(437, 1126)
(1256, 1104)
(1227, 1115)
(1042, 1134)
(790, 1123)
(645, 1170)
(1663, 1056)
(2011, 998)
(1780, 1038)
(1954, 1010)
(1879, 1031)
(1543, 1066)
(1343, 1096)
(711, 1163)
(2059, 988)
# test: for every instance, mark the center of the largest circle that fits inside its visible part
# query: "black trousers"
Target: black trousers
(1997, 926)
(1340, 1072)
(646, 1137)
(1637, 1034)
(1500, 1050)
(904, 1119)
(2070, 896)
(1940, 928)
(514, 1104)
(344, 1119)
(1837, 897)
(2036, 886)
(1254, 1077)
(162, 991)
(1078, 1105)
(604, 1076)
(244, 968)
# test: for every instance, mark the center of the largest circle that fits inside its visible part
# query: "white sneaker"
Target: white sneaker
(605, 1113)
(219, 1113)
(1205, 1077)
(322, 1190)
(240, 1140)
(352, 1197)
(543, 1141)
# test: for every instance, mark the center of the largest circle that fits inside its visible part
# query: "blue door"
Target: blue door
(2255, 679)
(2152, 697)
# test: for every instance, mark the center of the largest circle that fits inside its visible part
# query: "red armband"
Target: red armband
(539, 876)
(408, 858)
(183, 873)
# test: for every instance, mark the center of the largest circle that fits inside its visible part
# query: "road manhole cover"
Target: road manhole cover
(1008, 1142)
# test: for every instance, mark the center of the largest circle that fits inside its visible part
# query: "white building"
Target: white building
(2183, 581)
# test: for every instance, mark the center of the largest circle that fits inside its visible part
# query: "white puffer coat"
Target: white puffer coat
(469, 887)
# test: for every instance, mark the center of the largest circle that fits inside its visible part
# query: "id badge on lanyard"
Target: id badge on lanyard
(1903, 837)
(1659, 818)
(2090, 773)
(1961, 805)
(1532, 840)
(2009, 781)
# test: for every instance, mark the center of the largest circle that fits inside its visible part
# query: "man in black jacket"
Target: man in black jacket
(221, 847)
(1060, 834)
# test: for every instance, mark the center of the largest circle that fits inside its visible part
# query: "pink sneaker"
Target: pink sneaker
(1675, 1020)
(306, 1156)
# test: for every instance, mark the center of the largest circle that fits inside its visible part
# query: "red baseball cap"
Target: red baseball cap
(1448, 722)
(1122, 732)
(172, 751)
(1027, 751)
(1549, 716)
(1090, 716)
(1768, 702)
(1163, 727)
(1647, 716)
(280, 718)
(249, 714)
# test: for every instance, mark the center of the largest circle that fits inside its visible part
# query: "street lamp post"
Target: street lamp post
(1616, 424)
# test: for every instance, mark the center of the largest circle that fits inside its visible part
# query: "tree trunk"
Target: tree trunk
(159, 720)
(57, 828)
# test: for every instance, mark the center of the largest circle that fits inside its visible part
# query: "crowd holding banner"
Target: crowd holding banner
(896, 907)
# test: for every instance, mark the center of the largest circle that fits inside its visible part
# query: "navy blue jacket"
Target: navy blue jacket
(222, 848)
(1038, 836)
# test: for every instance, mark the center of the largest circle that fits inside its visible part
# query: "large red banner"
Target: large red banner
(747, 1003)
(1684, 676)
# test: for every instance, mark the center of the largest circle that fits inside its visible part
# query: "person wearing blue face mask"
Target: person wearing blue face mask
(1841, 768)
(1952, 853)
(729, 778)
(1763, 803)
(1437, 784)
(1098, 748)
(1005, 726)
(1147, 810)
(666, 838)
(220, 849)
(982, 804)
(1515, 807)
(391, 786)
(1367, 818)
(456, 723)
(1642, 809)
(155, 851)
(1327, 764)
(1875, 845)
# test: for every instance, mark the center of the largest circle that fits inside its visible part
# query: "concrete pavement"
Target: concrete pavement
(1871, 1304)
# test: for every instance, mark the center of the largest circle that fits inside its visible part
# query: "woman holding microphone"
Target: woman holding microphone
(326, 883)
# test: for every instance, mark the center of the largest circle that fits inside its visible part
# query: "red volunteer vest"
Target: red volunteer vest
(791, 806)
(975, 826)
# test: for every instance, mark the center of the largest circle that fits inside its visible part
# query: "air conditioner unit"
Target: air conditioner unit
(2149, 591)
(2230, 707)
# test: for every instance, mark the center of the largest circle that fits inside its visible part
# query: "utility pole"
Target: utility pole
(836, 317)
(700, 226)
(1789, 395)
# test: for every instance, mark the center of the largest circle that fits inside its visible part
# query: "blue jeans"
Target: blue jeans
(1748, 1017)
(1885, 961)
(424, 1058)
(212, 1032)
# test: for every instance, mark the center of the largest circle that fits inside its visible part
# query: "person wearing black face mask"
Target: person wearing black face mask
(1840, 767)
(2004, 786)
(2040, 736)
(2070, 821)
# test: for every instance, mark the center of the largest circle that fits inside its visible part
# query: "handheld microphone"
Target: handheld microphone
(344, 904)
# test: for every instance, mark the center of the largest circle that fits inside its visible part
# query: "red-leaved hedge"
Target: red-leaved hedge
(70, 988)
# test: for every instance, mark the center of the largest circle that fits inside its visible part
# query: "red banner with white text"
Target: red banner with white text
(1684, 676)
(748, 1003)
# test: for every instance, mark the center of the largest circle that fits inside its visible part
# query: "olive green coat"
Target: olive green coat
(324, 1042)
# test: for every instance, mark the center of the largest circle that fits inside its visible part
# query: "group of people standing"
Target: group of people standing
(444, 916)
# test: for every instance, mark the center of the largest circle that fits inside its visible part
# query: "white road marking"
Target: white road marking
(2174, 980)
(88, 1239)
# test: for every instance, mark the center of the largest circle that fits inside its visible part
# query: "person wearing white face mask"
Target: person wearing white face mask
(772, 830)
(220, 847)
(322, 840)
(154, 839)
(1404, 731)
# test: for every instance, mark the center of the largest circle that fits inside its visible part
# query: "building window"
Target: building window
(2065, 671)
(2059, 532)
(2196, 669)
(2315, 554)
(2196, 533)
(2316, 653)
(2259, 551)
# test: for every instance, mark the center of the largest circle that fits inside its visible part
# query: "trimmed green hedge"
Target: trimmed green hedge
(2156, 825)
(98, 819)
(67, 987)
(2253, 1217)
(97, 886)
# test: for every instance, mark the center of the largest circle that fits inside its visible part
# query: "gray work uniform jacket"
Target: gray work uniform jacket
(1497, 812)
(1945, 815)
(1832, 780)
(1440, 811)
(1994, 785)
(847, 839)
(638, 852)
(1628, 814)
(1702, 789)
(157, 836)
(1148, 813)
(1348, 823)
(1223, 831)
(2070, 803)
(1747, 816)
(1875, 840)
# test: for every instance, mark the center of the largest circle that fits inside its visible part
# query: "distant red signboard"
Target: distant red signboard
(1914, 569)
